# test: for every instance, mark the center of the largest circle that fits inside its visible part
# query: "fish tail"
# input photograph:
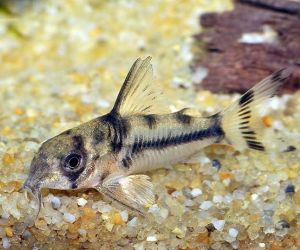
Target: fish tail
(241, 123)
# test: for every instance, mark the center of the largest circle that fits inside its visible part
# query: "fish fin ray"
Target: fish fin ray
(138, 94)
(133, 191)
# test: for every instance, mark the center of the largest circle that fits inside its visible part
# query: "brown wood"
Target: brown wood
(235, 66)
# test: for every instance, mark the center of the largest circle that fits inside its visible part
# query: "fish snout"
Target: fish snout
(26, 186)
(39, 169)
(34, 190)
(28, 182)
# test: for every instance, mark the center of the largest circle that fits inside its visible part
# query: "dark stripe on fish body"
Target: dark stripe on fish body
(183, 118)
(137, 145)
(213, 131)
(151, 120)
(78, 142)
(118, 128)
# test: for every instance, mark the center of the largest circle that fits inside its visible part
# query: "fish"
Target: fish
(112, 153)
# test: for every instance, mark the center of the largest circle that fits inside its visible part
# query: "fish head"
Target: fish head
(67, 161)
(57, 162)
(53, 165)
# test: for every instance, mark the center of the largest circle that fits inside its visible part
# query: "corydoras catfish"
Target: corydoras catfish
(110, 153)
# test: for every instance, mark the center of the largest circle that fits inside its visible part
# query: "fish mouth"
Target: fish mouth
(35, 192)
(30, 219)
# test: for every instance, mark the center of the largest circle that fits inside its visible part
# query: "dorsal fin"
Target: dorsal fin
(138, 94)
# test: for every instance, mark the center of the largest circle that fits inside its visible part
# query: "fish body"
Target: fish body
(153, 141)
(110, 153)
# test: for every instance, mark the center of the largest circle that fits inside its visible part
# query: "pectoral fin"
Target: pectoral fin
(134, 191)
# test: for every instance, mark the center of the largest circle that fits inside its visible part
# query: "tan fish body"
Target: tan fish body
(111, 152)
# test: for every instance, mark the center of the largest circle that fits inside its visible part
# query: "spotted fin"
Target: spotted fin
(138, 94)
(134, 191)
(240, 122)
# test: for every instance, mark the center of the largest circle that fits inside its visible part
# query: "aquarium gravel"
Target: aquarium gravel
(63, 63)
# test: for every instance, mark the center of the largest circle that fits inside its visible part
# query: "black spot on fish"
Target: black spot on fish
(216, 117)
(73, 176)
(67, 132)
(98, 137)
(150, 120)
(104, 175)
(74, 185)
(183, 118)
(127, 162)
(137, 144)
(78, 142)
(118, 128)
(246, 98)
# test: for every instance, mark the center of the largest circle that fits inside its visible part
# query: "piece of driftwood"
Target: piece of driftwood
(235, 66)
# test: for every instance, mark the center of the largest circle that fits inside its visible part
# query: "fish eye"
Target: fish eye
(73, 161)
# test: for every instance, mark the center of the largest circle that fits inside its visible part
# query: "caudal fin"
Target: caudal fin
(240, 122)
